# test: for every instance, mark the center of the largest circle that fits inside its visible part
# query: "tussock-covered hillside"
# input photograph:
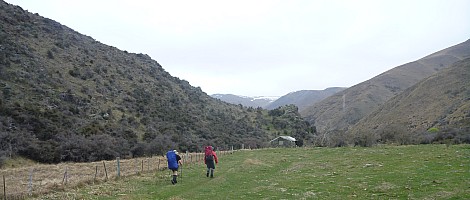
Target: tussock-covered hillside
(67, 97)
(337, 113)
(433, 109)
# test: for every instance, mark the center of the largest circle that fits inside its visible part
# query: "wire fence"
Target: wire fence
(24, 182)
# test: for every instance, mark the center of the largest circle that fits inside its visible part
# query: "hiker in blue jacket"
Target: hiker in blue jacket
(173, 160)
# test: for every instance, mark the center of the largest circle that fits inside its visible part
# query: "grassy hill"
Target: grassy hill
(381, 172)
(436, 108)
(67, 97)
(337, 113)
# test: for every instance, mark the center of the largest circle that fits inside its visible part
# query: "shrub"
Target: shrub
(50, 55)
(433, 130)
(75, 72)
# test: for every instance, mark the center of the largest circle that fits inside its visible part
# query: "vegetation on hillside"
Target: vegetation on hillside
(335, 115)
(436, 109)
(67, 97)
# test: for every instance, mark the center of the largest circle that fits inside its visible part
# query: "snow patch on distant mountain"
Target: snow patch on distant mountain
(270, 98)
(258, 101)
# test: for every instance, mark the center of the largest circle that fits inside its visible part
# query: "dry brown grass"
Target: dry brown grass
(38, 179)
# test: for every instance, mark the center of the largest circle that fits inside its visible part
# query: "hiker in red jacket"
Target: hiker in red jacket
(210, 159)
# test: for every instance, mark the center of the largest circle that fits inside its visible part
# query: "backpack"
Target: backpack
(208, 153)
(171, 157)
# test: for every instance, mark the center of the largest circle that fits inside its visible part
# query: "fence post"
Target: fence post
(136, 166)
(96, 172)
(64, 180)
(30, 183)
(142, 166)
(118, 168)
(158, 167)
(187, 160)
(105, 171)
(4, 189)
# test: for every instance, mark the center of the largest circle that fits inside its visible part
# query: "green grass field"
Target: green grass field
(382, 172)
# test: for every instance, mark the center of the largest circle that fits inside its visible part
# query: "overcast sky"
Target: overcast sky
(268, 47)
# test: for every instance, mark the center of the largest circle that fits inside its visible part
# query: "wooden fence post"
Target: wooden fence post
(158, 167)
(30, 183)
(64, 180)
(187, 160)
(4, 189)
(142, 166)
(96, 172)
(105, 171)
(136, 166)
(118, 167)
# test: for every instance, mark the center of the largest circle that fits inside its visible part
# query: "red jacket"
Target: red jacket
(215, 158)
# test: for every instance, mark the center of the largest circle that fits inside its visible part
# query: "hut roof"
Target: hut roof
(289, 138)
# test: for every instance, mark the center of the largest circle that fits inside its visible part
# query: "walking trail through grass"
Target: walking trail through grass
(382, 172)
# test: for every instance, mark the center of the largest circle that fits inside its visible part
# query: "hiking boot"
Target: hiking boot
(207, 174)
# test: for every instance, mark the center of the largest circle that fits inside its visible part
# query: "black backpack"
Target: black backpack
(208, 153)
(210, 158)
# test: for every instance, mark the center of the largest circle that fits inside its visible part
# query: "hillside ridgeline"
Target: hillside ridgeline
(304, 98)
(67, 97)
(337, 113)
(435, 109)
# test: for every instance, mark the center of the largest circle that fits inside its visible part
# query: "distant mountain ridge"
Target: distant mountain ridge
(304, 98)
(255, 102)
